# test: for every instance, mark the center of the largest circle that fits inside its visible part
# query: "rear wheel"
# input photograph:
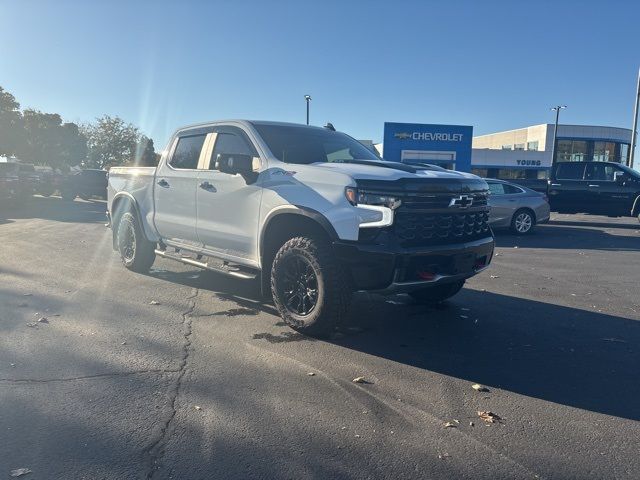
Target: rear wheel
(437, 294)
(137, 253)
(309, 287)
(523, 222)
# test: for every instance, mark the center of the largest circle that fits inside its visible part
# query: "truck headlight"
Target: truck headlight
(376, 199)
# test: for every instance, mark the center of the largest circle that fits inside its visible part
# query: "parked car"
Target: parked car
(309, 211)
(50, 180)
(603, 188)
(516, 207)
(29, 180)
(85, 184)
(9, 181)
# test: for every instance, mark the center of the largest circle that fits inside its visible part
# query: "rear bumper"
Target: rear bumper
(393, 269)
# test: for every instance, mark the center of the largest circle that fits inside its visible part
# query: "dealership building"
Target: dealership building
(524, 153)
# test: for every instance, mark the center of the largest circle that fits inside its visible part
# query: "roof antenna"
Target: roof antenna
(329, 126)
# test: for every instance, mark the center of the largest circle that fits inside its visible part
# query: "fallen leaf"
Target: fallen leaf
(494, 276)
(359, 380)
(479, 388)
(154, 302)
(489, 417)
(311, 374)
(18, 472)
(449, 425)
(43, 320)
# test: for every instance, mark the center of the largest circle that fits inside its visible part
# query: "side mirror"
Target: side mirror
(233, 163)
(619, 177)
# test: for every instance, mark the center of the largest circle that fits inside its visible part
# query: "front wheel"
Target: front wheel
(137, 253)
(437, 294)
(523, 222)
(309, 287)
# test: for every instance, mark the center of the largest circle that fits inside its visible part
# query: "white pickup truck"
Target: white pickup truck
(309, 211)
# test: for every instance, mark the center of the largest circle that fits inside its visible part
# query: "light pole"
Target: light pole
(634, 132)
(308, 99)
(557, 109)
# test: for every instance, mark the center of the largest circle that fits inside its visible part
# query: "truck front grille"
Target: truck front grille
(420, 201)
(414, 229)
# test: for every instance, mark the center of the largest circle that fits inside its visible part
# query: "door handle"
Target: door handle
(163, 183)
(594, 185)
(556, 184)
(208, 187)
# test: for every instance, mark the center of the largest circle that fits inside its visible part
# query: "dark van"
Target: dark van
(602, 188)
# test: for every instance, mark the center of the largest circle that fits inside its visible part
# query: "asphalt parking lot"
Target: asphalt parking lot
(185, 374)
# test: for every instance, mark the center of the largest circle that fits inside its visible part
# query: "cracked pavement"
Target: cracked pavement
(210, 384)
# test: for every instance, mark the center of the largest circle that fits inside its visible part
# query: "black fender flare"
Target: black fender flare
(295, 210)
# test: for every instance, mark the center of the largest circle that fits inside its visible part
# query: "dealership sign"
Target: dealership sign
(429, 136)
(446, 145)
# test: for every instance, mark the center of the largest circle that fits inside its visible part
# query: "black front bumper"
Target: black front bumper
(389, 268)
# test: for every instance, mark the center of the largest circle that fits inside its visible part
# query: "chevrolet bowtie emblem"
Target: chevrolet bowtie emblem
(402, 136)
(463, 201)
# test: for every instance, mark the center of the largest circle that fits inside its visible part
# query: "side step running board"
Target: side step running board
(225, 268)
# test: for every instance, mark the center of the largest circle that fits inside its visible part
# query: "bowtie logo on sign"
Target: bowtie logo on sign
(433, 137)
(402, 136)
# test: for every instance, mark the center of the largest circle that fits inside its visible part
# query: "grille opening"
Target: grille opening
(413, 229)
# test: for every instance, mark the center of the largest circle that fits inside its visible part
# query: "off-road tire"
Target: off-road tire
(142, 256)
(437, 294)
(333, 289)
(521, 219)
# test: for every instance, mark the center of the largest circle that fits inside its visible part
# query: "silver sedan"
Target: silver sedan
(516, 207)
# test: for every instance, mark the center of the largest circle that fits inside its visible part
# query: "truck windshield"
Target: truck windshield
(304, 145)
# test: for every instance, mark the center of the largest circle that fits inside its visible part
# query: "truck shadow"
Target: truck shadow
(564, 355)
(557, 235)
(56, 209)
(573, 357)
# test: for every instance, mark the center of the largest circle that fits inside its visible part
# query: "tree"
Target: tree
(11, 128)
(111, 141)
(48, 141)
(146, 153)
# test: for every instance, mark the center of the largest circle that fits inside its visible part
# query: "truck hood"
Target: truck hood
(394, 176)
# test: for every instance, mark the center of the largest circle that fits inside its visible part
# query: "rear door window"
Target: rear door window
(511, 189)
(570, 171)
(496, 188)
(187, 152)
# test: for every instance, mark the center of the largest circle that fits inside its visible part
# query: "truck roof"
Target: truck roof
(246, 122)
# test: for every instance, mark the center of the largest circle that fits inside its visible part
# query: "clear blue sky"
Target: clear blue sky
(493, 65)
